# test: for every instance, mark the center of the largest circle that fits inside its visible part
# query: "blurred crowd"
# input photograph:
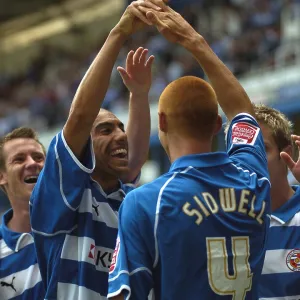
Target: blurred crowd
(243, 33)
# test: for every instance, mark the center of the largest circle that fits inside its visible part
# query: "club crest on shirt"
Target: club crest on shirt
(244, 133)
(293, 260)
(115, 256)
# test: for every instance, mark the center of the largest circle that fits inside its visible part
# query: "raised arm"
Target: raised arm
(137, 78)
(93, 87)
(231, 95)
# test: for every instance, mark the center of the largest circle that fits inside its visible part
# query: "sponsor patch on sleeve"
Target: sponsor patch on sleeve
(115, 256)
(244, 133)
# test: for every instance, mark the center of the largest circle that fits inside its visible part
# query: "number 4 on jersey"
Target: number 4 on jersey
(220, 281)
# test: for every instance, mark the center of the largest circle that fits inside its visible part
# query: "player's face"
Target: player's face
(24, 160)
(276, 166)
(110, 145)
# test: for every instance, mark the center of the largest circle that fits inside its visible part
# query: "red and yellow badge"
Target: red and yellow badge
(293, 260)
(244, 133)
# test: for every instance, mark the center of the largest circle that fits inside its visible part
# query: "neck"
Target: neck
(107, 182)
(188, 146)
(20, 221)
(280, 194)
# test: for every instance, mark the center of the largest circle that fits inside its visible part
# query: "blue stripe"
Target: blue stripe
(272, 285)
(104, 236)
(83, 274)
(283, 237)
(35, 293)
(114, 204)
(18, 261)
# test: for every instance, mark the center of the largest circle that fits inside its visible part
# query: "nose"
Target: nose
(31, 163)
(121, 135)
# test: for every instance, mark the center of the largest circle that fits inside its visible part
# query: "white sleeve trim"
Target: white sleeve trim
(54, 233)
(76, 160)
(245, 114)
(60, 178)
(118, 292)
(130, 274)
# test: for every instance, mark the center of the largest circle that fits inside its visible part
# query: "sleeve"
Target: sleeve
(130, 271)
(59, 189)
(245, 144)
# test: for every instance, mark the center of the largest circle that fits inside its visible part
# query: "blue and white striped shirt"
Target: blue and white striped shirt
(280, 278)
(20, 277)
(74, 225)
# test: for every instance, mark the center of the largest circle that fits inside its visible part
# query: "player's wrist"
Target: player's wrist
(119, 32)
(195, 43)
(141, 94)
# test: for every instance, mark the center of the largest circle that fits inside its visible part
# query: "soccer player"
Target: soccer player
(198, 231)
(280, 275)
(22, 157)
(75, 201)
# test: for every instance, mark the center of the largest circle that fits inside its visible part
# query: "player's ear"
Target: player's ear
(218, 125)
(162, 122)
(3, 179)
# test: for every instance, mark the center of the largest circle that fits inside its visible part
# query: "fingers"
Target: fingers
(150, 61)
(137, 55)
(158, 3)
(153, 17)
(295, 137)
(129, 60)
(124, 75)
(143, 57)
(148, 4)
(288, 160)
(134, 8)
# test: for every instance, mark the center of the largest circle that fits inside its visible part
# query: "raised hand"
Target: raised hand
(133, 19)
(138, 73)
(294, 166)
(168, 22)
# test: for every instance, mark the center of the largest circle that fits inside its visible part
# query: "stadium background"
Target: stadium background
(46, 47)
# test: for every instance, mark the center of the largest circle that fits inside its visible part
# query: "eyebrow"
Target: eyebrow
(23, 153)
(108, 124)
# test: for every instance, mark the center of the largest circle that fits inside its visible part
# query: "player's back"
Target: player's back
(198, 232)
(211, 230)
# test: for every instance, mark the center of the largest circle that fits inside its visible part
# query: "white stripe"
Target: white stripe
(54, 233)
(157, 212)
(139, 270)
(131, 273)
(118, 275)
(78, 163)
(253, 173)
(5, 250)
(105, 212)
(60, 177)
(275, 262)
(69, 291)
(24, 280)
(23, 241)
(83, 249)
(295, 221)
(296, 297)
(247, 115)
(157, 217)
(118, 292)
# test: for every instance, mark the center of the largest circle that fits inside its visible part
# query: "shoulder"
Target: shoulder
(149, 191)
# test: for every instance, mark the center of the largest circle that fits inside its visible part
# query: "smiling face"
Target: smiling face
(110, 145)
(23, 160)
